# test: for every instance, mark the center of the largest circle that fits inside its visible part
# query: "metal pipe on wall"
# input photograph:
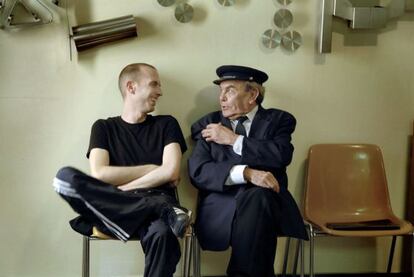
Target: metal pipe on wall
(103, 24)
(96, 33)
(89, 44)
(101, 33)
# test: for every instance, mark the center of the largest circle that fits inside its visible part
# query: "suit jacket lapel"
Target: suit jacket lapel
(259, 124)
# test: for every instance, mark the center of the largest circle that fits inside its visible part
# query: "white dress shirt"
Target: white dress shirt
(236, 172)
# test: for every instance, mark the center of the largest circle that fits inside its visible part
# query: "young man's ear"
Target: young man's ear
(130, 85)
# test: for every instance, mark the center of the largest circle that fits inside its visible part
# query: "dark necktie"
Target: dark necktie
(240, 130)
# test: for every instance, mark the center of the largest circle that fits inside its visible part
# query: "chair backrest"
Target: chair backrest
(346, 183)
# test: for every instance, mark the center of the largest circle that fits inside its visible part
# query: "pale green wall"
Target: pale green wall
(48, 103)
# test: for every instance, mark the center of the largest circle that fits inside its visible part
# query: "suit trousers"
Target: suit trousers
(253, 238)
(136, 214)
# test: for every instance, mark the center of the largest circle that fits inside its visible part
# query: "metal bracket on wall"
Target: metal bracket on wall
(360, 14)
(22, 13)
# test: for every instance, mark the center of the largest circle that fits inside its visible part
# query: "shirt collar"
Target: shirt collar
(250, 115)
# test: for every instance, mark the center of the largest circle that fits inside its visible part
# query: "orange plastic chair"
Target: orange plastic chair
(347, 195)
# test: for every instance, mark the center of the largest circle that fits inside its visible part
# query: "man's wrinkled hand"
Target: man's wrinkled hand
(261, 178)
(219, 134)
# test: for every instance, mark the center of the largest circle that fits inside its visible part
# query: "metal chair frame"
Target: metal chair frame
(315, 231)
(191, 247)
(299, 250)
(193, 250)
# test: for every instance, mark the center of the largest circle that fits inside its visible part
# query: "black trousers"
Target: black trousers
(253, 238)
(138, 214)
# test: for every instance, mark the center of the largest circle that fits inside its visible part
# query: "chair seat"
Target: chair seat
(405, 228)
(96, 234)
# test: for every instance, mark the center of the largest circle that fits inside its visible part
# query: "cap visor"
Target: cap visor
(218, 81)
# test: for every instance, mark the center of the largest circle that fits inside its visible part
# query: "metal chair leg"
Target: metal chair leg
(196, 260)
(285, 259)
(302, 258)
(85, 257)
(311, 251)
(391, 256)
(412, 256)
(295, 261)
(188, 241)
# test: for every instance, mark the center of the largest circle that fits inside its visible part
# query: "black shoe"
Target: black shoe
(179, 219)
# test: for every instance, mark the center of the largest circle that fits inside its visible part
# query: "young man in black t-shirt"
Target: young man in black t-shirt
(135, 164)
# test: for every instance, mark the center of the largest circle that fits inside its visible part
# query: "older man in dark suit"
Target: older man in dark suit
(239, 166)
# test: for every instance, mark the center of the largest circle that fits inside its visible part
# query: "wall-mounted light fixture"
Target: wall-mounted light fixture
(360, 14)
(96, 33)
(184, 12)
(227, 3)
(289, 40)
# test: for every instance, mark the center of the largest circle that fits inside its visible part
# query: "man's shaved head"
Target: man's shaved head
(130, 72)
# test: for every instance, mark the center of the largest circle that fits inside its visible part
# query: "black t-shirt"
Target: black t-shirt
(136, 144)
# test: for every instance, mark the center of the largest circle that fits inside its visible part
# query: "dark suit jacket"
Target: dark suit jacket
(266, 148)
